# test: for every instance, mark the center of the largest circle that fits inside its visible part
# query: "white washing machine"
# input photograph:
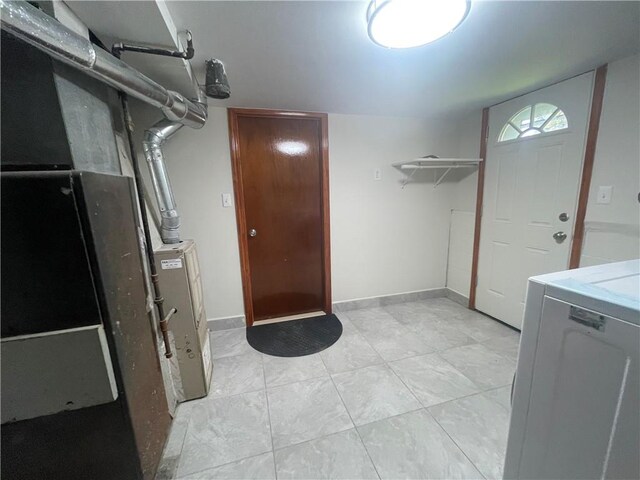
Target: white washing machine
(576, 403)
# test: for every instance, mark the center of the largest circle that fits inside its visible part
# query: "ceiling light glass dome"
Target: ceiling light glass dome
(412, 23)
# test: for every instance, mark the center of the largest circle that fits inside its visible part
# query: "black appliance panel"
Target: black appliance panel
(46, 278)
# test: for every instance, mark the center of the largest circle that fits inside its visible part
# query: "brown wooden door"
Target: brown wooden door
(281, 186)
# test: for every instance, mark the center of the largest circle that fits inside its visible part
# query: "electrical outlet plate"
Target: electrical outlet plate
(226, 200)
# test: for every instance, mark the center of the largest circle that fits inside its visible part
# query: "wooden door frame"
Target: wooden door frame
(591, 141)
(484, 135)
(233, 115)
(587, 166)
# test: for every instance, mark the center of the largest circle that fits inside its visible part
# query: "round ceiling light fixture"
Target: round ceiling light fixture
(412, 23)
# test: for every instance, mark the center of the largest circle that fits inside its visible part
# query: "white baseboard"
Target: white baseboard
(372, 302)
(457, 297)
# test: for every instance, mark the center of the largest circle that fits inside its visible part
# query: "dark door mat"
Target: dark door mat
(295, 338)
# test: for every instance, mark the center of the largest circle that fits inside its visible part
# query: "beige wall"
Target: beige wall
(464, 207)
(384, 239)
(612, 232)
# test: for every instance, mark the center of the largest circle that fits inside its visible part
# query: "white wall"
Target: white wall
(384, 239)
(463, 207)
(612, 232)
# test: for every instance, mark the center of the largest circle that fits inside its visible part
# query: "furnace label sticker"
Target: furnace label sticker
(171, 263)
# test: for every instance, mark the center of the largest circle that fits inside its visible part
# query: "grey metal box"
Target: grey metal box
(179, 276)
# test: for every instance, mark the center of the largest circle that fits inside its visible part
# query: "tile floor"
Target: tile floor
(414, 390)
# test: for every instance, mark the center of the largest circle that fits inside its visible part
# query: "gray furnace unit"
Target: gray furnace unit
(179, 276)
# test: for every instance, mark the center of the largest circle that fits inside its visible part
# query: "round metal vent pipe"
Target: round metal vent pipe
(154, 138)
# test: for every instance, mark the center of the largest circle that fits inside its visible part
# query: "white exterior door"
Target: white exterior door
(532, 176)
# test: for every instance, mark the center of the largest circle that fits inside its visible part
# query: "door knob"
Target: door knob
(252, 232)
(559, 237)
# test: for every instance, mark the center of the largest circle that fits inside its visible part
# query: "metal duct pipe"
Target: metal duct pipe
(216, 86)
(47, 34)
(154, 138)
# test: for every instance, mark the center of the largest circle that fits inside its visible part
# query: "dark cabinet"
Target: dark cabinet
(71, 258)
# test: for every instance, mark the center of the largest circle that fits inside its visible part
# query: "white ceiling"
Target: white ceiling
(315, 55)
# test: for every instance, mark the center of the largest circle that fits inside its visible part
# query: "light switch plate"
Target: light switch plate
(377, 174)
(604, 195)
(226, 200)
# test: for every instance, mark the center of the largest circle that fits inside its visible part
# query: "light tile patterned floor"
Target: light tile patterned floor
(414, 390)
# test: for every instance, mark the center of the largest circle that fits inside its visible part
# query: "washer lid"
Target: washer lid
(612, 289)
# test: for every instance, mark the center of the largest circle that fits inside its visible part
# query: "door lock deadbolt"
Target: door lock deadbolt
(559, 237)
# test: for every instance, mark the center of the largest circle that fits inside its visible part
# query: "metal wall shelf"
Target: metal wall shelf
(431, 162)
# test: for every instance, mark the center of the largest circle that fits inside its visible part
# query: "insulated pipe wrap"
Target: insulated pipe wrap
(44, 32)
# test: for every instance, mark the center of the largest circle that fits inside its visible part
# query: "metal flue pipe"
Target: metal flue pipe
(47, 34)
(154, 139)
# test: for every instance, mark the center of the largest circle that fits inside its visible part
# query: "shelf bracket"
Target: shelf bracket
(442, 177)
(406, 180)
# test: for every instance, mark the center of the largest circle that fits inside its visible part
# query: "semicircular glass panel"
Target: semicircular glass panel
(533, 120)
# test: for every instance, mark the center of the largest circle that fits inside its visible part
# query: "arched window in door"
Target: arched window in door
(534, 120)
